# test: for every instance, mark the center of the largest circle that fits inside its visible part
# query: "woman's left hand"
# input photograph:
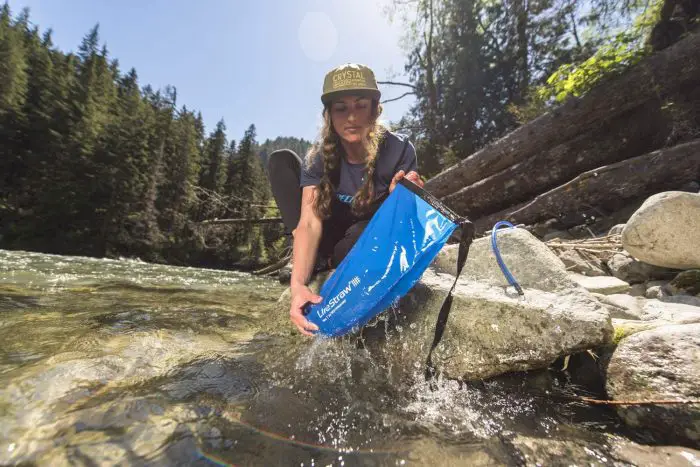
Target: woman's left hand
(411, 176)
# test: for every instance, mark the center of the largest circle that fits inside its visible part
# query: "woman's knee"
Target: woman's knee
(282, 158)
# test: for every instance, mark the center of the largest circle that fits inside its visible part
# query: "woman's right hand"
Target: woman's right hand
(300, 296)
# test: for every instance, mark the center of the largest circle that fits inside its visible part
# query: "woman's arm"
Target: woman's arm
(307, 238)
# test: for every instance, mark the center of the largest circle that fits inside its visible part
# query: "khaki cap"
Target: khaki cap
(350, 78)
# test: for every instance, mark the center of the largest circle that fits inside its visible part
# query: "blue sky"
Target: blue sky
(260, 62)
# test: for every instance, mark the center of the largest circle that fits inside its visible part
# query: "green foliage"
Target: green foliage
(93, 164)
(480, 68)
(614, 56)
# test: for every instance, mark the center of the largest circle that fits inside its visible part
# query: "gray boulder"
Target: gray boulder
(665, 231)
(659, 364)
(530, 261)
(489, 331)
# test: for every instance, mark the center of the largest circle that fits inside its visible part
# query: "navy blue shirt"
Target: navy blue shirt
(391, 158)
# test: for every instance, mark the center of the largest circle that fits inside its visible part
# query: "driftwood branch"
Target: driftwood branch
(394, 83)
(273, 267)
(397, 98)
(264, 220)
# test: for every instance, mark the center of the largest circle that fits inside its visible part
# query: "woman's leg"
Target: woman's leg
(343, 247)
(284, 171)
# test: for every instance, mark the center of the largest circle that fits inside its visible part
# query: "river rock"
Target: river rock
(628, 269)
(656, 289)
(682, 299)
(659, 364)
(616, 451)
(530, 261)
(637, 290)
(606, 285)
(677, 313)
(687, 282)
(616, 229)
(665, 231)
(622, 305)
(489, 331)
(575, 262)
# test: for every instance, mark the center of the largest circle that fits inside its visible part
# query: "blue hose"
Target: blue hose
(509, 277)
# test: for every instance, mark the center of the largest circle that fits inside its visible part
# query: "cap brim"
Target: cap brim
(370, 92)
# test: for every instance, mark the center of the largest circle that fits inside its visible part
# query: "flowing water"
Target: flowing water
(106, 362)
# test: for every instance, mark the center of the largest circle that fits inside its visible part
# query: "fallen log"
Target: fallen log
(606, 188)
(264, 220)
(635, 132)
(653, 78)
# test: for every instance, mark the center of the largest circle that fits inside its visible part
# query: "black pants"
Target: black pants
(339, 236)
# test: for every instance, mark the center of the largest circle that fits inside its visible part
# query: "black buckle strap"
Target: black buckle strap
(465, 241)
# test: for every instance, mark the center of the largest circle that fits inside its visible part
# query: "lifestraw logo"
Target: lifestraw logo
(354, 282)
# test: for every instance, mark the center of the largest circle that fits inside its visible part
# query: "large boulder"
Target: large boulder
(489, 331)
(530, 261)
(665, 231)
(659, 364)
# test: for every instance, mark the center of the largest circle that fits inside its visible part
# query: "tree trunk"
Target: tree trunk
(607, 187)
(654, 78)
(637, 132)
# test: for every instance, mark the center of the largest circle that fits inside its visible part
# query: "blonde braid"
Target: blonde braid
(362, 201)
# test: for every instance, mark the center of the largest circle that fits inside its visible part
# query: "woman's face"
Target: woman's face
(352, 117)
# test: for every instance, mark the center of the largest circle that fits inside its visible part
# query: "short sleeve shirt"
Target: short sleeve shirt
(396, 153)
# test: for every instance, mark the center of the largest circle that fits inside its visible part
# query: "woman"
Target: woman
(350, 170)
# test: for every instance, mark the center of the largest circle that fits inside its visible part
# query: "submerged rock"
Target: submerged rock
(659, 364)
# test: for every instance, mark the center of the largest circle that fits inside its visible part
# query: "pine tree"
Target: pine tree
(127, 228)
(13, 90)
(213, 170)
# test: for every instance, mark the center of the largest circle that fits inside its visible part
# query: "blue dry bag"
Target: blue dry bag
(399, 243)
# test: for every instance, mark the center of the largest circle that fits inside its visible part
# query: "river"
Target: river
(107, 362)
